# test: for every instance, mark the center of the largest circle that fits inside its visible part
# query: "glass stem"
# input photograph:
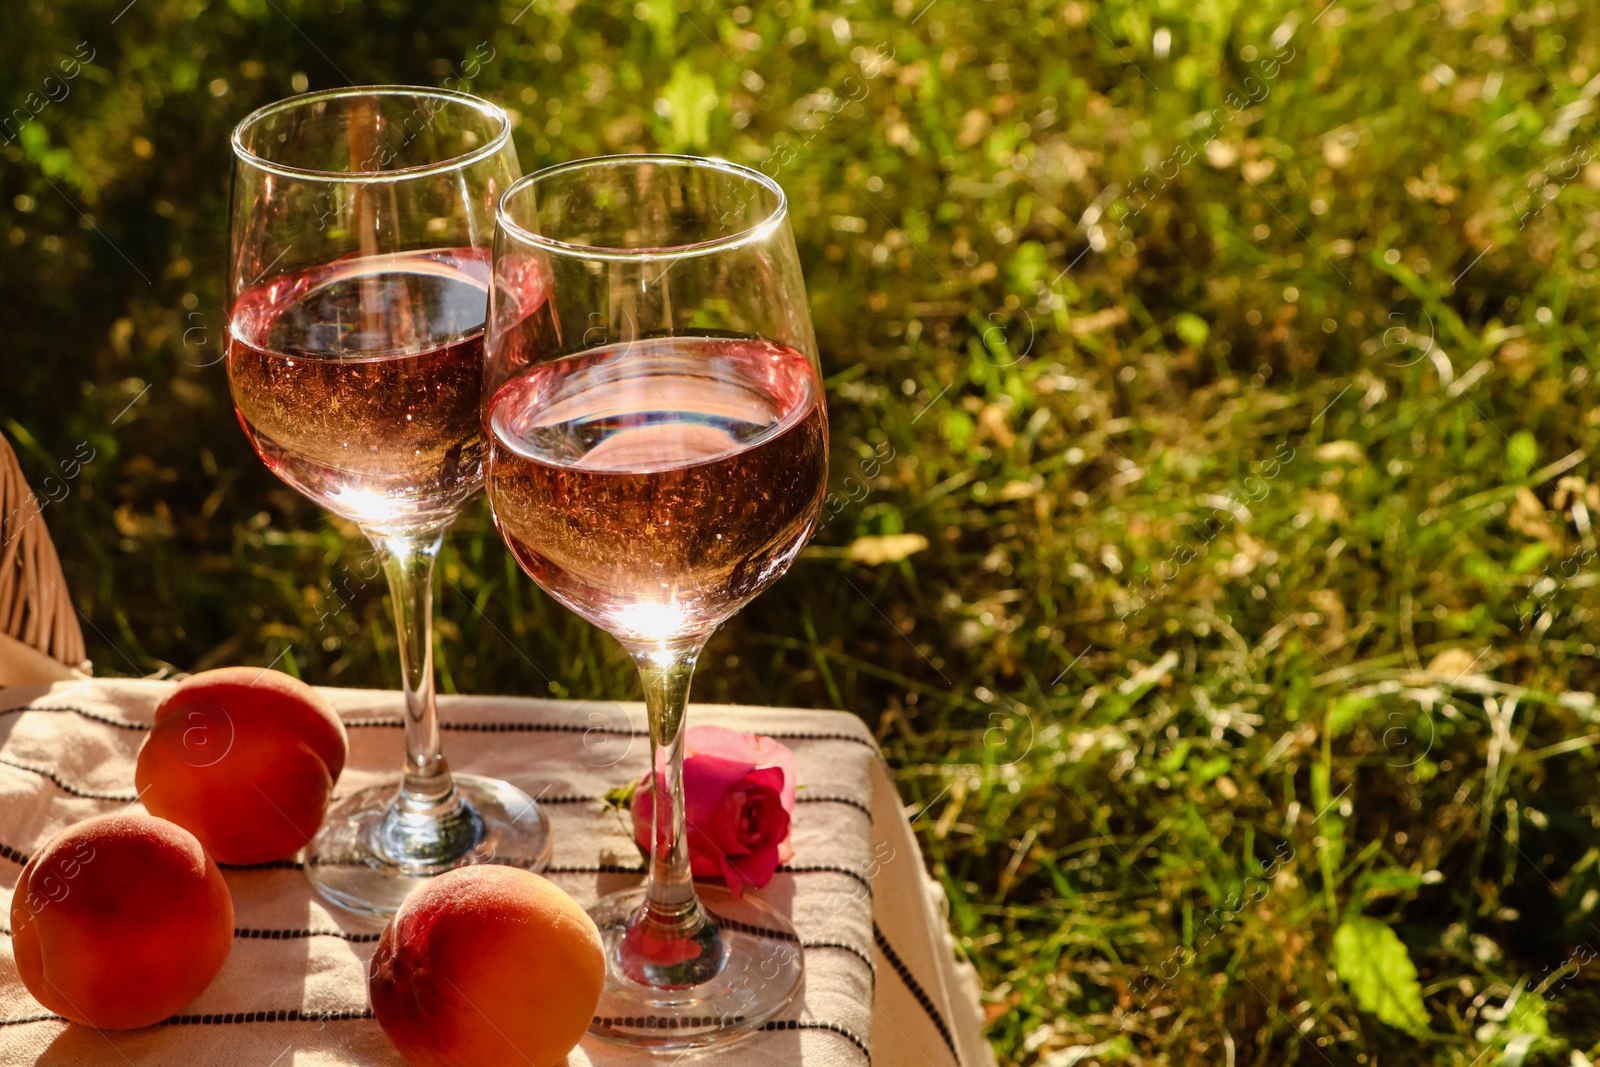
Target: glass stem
(427, 789)
(671, 909)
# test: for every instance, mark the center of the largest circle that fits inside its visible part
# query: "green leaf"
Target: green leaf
(1175, 759)
(1529, 557)
(1345, 711)
(1373, 962)
(662, 18)
(1191, 329)
(1392, 880)
(1028, 268)
(1521, 1027)
(622, 795)
(1319, 785)
(1215, 767)
(1529, 1015)
(690, 98)
(185, 74)
(1522, 452)
(958, 428)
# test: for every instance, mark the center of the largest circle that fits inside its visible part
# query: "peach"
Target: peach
(218, 705)
(120, 921)
(261, 801)
(487, 966)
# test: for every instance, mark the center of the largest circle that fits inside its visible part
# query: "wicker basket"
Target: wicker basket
(40, 639)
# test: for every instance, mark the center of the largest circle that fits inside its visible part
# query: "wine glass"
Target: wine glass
(361, 233)
(658, 453)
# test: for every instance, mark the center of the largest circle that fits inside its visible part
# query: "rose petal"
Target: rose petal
(755, 859)
(776, 754)
(705, 781)
(724, 826)
(758, 795)
(758, 867)
(720, 741)
(732, 875)
(704, 861)
(739, 794)
(704, 864)
(754, 749)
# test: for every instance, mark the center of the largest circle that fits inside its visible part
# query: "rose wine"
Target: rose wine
(656, 486)
(358, 382)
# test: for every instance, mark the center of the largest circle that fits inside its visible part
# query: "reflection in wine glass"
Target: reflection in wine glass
(657, 457)
(359, 274)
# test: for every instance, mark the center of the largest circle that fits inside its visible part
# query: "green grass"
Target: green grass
(1259, 592)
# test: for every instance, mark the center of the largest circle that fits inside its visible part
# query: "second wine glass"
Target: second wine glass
(658, 452)
(362, 221)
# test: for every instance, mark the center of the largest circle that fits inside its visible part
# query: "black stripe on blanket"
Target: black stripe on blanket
(130, 795)
(269, 865)
(826, 869)
(344, 1015)
(594, 868)
(265, 934)
(292, 1015)
(773, 1026)
(296, 865)
(127, 795)
(274, 935)
(576, 728)
(256, 934)
(840, 946)
(121, 724)
(466, 727)
(848, 801)
(916, 989)
(751, 928)
(542, 799)
(832, 1028)
(336, 797)
(657, 1022)
(283, 1015)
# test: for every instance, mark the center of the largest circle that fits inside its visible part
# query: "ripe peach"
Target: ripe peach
(120, 921)
(487, 966)
(262, 800)
(218, 705)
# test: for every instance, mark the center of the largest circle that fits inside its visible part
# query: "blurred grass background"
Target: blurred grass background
(1222, 373)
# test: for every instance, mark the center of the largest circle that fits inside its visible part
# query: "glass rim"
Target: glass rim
(728, 242)
(477, 155)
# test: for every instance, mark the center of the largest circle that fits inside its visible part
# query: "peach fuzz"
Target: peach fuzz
(120, 921)
(219, 705)
(487, 966)
(261, 801)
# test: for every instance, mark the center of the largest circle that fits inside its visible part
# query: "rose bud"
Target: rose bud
(738, 794)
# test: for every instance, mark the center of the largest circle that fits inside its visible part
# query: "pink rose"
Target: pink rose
(738, 794)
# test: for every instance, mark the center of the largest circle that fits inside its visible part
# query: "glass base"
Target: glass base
(762, 970)
(370, 854)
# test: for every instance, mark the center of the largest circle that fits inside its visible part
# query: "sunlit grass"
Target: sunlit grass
(1250, 453)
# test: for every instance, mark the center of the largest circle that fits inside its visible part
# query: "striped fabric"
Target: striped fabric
(881, 984)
